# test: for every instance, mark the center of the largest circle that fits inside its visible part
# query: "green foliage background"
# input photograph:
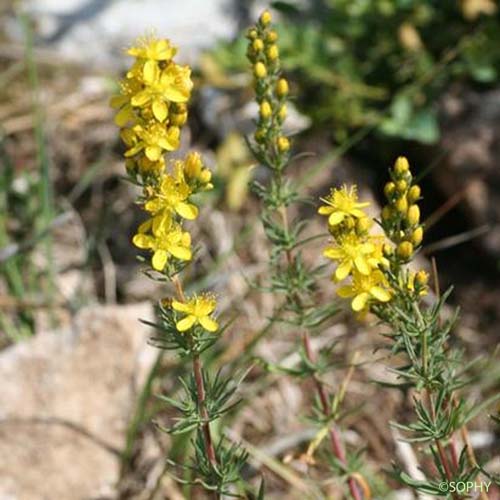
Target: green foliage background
(381, 63)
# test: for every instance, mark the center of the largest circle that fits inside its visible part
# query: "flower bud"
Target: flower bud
(260, 135)
(417, 236)
(389, 189)
(260, 70)
(205, 176)
(401, 166)
(283, 144)
(413, 215)
(405, 250)
(265, 18)
(178, 119)
(252, 34)
(258, 45)
(272, 52)
(271, 37)
(402, 205)
(414, 194)
(265, 110)
(363, 224)
(281, 88)
(422, 278)
(282, 112)
(179, 107)
(387, 250)
(401, 186)
(387, 213)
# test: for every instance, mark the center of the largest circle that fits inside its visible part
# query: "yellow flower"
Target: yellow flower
(164, 240)
(126, 114)
(365, 289)
(153, 138)
(173, 84)
(377, 257)
(421, 278)
(281, 88)
(153, 49)
(198, 310)
(193, 170)
(342, 203)
(351, 252)
(171, 197)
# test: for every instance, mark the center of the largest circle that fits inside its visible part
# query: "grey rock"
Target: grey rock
(66, 403)
(96, 31)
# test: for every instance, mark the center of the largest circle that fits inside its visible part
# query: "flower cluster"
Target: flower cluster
(152, 106)
(374, 262)
(271, 88)
(401, 215)
(359, 255)
(167, 202)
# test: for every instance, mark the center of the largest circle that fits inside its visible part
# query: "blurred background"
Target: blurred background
(370, 80)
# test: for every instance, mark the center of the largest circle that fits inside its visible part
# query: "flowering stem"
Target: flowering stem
(335, 440)
(200, 388)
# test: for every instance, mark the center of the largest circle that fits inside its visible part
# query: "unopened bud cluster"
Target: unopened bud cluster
(271, 88)
(401, 214)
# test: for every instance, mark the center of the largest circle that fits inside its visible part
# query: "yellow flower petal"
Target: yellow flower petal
(367, 247)
(181, 253)
(124, 116)
(117, 101)
(345, 292)
(145, 226)
(332, 253)
(159, 260)
(133, 151)
(153, 153)
(180, 306)
(150, 71)
(161, 222)
(186, 323)
(360, 301)
(325, 210)
(186, 239)
(361, 265)
(169, 143)
(187, 210)
(356, 212)
(142, 241)
(140, 99)
(208, 323)
(343, 270)
(335, 218)
(380, 294)
(160, 110)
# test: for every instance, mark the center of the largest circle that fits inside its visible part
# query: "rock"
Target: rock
(65, 408)
(95, 31)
